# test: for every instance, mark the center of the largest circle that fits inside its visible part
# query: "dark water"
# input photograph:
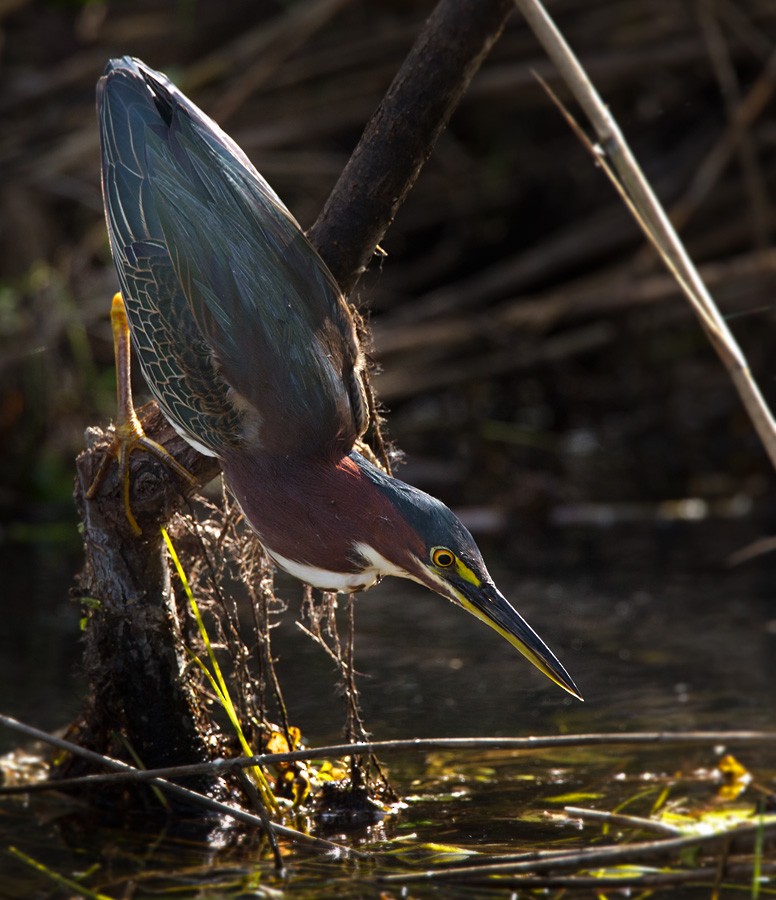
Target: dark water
(39, 634)
(669, 639)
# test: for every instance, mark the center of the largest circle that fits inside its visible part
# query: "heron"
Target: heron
(251, 351)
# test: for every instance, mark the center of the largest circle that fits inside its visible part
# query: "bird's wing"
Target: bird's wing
(241, 329)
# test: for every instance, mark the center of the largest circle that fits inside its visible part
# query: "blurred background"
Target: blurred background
(540, 370)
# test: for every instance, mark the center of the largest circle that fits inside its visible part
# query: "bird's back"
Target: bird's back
(240, 328)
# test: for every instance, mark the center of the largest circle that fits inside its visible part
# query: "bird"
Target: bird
(251, 351)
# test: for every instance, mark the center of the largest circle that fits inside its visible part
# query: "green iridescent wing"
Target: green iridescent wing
(240, 328)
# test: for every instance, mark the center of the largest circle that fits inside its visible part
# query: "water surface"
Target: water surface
(665, 641)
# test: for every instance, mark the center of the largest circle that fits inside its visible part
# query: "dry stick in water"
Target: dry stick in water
(525, 744)
(178, 790)
(608, 855)
(621, 166)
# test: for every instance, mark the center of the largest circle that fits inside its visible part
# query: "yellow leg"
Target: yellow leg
(128, 433)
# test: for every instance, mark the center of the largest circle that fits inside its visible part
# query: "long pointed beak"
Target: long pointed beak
(487, 603)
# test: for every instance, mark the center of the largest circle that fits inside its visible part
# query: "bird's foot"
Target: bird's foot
(128, 434)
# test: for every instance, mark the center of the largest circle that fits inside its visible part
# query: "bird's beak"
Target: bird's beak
(487, 603)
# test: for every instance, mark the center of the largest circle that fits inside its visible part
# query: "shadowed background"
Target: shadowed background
(541, 372)
(534, 357)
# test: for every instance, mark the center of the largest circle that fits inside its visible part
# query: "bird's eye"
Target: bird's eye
(442, 557)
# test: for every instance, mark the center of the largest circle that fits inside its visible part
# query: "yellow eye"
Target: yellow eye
(442, 557)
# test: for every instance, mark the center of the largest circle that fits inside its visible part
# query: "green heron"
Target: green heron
(249, 348)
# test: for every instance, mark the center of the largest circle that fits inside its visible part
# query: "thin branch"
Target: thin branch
(744, 836)
(622, 883)
(258, 802)
(609, 818)
(178, 790)
(525, 744)
(652, 217)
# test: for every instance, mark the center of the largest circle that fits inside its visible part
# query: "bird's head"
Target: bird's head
(427, 542)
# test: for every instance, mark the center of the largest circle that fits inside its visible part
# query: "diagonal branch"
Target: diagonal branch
(402, 132)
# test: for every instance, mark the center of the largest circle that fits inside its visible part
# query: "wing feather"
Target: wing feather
(241, 330)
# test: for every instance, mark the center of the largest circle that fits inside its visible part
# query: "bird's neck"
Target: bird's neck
(327, 522)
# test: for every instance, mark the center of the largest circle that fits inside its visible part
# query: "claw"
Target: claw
(128, 434)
